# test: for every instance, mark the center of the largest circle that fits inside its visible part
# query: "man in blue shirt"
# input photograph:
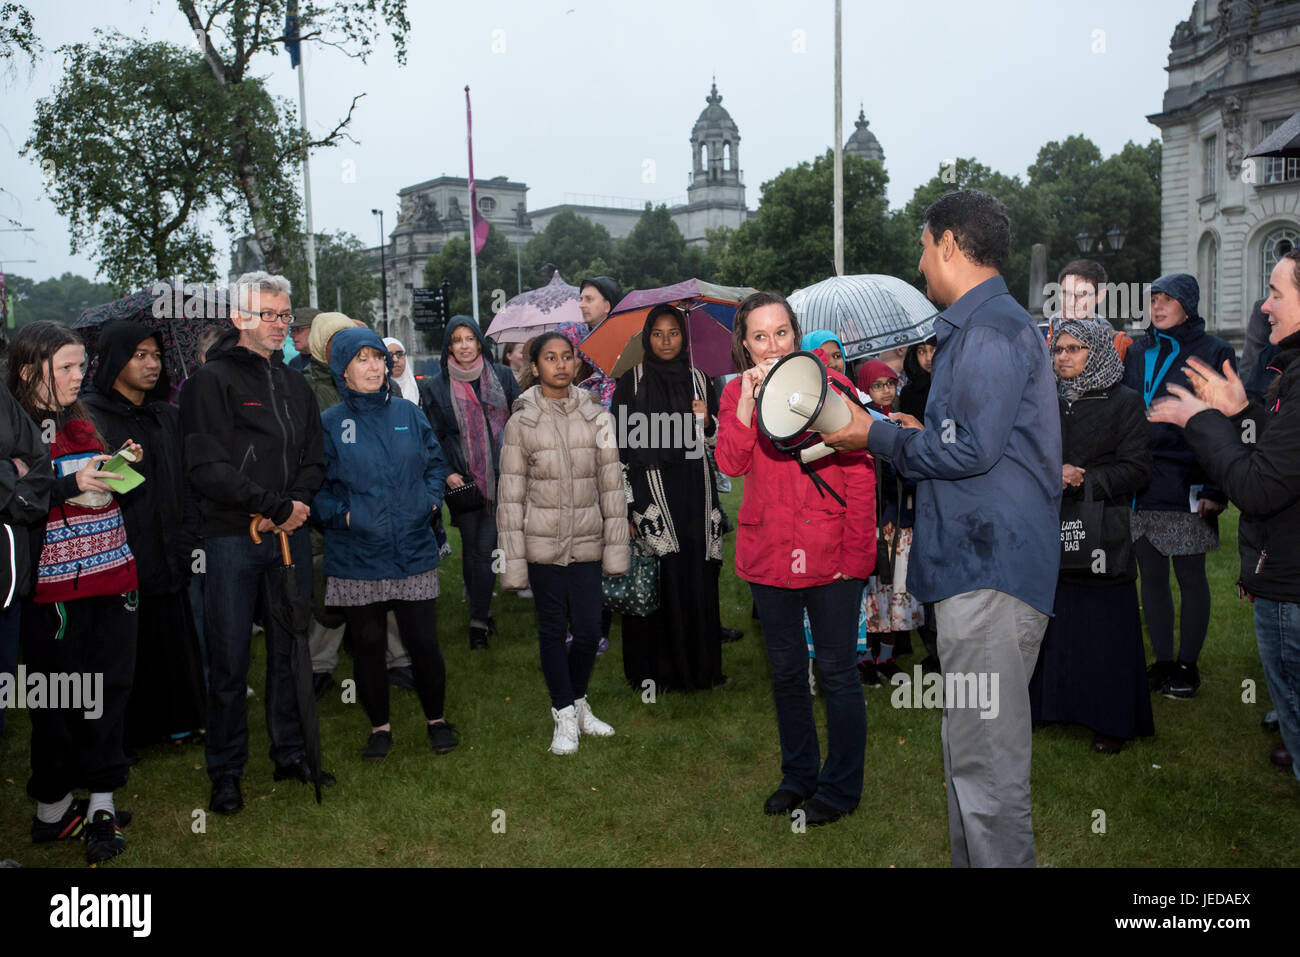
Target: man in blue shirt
(987, 543)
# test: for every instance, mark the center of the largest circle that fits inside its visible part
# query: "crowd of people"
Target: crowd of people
(951, 512)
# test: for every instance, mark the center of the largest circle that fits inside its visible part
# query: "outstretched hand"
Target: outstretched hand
(1223, 392)
(1177, 407)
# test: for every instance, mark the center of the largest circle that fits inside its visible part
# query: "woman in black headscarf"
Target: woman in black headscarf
(1091, 669)
(916, 366)
(666, 413)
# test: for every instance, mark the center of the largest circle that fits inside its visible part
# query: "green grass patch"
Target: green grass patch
(683, 781)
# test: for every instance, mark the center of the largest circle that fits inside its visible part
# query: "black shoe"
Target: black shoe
(226, 798)
(868, 673)
(104, 838)
(1158, 674)
(1105, 744)
(402, 677)
(378, 746)
(299, 771)
(930, 665)
(1270, 722)
(321, 682)
(731, 634)
(1183, 682)
(71, 826)
(442, 737)
(888, 669)
(492, 626)
(1280, 758)
(782, 801)
(817, 813)
(478, 639)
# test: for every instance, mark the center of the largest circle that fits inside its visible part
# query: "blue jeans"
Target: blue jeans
(833, 613)
(478, 537)
(237, 572)
(1277, 631)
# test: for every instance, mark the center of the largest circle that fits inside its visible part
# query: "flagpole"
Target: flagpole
(838, 186)
(306, 187)
(473, 255)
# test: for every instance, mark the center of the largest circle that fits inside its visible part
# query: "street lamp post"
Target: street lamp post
(1111, 244)
(383, 266)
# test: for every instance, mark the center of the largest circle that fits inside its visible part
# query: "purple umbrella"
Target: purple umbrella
(536, 311)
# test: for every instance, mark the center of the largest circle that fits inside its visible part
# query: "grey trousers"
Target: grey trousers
(988, 645)
(325, 642)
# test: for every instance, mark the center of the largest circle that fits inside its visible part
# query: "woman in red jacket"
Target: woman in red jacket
(801, 545)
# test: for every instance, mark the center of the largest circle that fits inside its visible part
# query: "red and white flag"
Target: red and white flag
(481, 226)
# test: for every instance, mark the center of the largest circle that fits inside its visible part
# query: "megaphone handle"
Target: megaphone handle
(815, 452)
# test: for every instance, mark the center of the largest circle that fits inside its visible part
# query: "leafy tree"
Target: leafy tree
(132, 173)
(17, 33)
(573, 244)
(655, 253)
(264, 160)
(60, 300)
(1029, 223)
(340, 264)
(790, 243)
(496, 274)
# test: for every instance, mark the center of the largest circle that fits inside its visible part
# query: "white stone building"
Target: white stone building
(1234, 75)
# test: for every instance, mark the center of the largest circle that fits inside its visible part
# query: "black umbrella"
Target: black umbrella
(179, 311)
(1283, 141)
(291, 612)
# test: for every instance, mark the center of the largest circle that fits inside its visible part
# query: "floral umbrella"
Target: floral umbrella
(536, 311)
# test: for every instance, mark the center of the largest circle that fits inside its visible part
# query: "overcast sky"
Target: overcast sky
(579, 95)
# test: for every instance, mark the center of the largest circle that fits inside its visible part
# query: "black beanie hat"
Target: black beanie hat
(606, 286)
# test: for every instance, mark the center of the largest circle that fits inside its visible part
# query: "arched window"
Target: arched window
(727, 162)
(1207, 263)
(1276, 245)
(487, 205)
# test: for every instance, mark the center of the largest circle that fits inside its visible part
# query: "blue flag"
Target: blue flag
(291, 32)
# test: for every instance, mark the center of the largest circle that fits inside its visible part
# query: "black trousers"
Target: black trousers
(564, 594)
(89, 636)
(168, 695)
(417, 623)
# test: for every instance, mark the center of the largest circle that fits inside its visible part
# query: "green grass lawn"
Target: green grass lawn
(683, 781)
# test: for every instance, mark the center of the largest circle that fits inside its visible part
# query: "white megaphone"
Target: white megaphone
(795, 399)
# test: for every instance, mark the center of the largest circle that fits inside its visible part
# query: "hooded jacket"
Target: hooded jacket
(442, 416)
(1255, 458)
(252, 438)
(160, 533)
(1153, 363)
(560, 499)
(24, 502)
(384, 477)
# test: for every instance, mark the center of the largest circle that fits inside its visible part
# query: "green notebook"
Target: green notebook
(120, 464)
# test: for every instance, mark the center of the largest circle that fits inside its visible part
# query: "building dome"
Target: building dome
(863, 142)
(714, 119)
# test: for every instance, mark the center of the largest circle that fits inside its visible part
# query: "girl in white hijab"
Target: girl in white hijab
(402, 376)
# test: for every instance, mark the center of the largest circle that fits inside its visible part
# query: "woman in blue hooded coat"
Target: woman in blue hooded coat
(384, 478)
(1167, 523)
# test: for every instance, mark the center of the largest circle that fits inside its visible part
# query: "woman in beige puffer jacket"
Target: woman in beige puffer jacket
(561, 518)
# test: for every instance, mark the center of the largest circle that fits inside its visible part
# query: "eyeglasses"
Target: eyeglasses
(270, 315)
(398, 355)
(1070, 350)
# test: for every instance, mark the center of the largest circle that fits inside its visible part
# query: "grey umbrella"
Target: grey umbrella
(869, 314)
(1283, 141)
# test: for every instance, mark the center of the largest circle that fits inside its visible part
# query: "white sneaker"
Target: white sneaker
(588, 723)
(565, 740)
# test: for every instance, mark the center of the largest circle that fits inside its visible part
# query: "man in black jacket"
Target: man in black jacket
(25, 480)
(129, 401)
(252, 447)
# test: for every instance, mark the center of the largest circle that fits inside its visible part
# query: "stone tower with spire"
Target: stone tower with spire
(716, 194)
(863, 142)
